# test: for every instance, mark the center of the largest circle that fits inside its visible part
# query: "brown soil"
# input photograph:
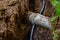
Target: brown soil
(13, 23)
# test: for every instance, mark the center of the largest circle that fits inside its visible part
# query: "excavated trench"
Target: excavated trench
(13, 23)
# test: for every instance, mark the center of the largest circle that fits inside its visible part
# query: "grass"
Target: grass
(56, 4)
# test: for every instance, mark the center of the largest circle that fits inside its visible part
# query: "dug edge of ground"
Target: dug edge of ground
(21, 33)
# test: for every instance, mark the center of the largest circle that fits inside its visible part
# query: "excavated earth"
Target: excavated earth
(13, 23)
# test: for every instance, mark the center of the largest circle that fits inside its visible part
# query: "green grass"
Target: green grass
(56, 4)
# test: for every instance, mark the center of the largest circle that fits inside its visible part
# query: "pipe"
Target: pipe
(33, 26)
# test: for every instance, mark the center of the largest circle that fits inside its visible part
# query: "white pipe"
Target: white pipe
(36, 18)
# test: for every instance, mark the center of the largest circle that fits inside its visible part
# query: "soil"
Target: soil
(13, 23)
